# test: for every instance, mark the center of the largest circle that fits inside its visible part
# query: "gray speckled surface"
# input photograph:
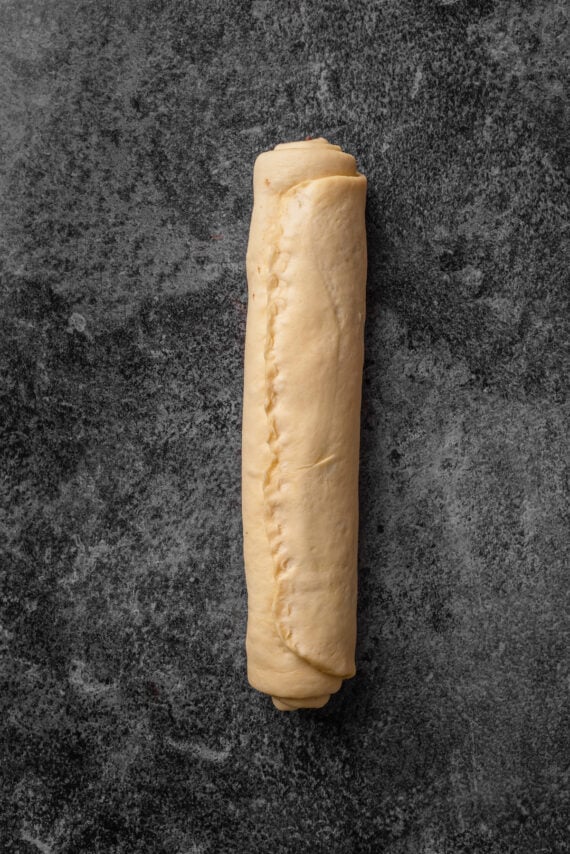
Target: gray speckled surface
(130, 130)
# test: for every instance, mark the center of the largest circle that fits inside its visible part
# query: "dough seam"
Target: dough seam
(270, 489)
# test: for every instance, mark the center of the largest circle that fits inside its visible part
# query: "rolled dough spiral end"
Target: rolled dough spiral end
(290, 704)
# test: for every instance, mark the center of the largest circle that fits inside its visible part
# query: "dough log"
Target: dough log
(306, 269)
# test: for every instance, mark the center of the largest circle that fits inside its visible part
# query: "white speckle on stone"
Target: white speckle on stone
(26, 836)
(77, 322)
(80, 679)
(255, 130)
(202, 751)
(418, 77)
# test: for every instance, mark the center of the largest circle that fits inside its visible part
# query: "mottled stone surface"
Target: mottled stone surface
(129, 130)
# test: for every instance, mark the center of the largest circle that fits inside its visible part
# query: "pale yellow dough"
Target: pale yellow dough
(306, 269)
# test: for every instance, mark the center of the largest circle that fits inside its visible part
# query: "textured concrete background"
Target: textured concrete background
(129, 130)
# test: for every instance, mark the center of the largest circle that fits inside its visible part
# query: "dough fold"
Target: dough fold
(306, 268)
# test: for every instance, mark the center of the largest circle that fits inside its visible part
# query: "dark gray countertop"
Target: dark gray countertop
(130, 130)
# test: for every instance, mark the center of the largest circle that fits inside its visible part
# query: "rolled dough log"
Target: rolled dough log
(306, 269)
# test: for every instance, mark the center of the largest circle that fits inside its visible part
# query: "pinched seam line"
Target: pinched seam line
(271, 485)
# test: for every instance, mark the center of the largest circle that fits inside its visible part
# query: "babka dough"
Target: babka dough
(306, 269)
